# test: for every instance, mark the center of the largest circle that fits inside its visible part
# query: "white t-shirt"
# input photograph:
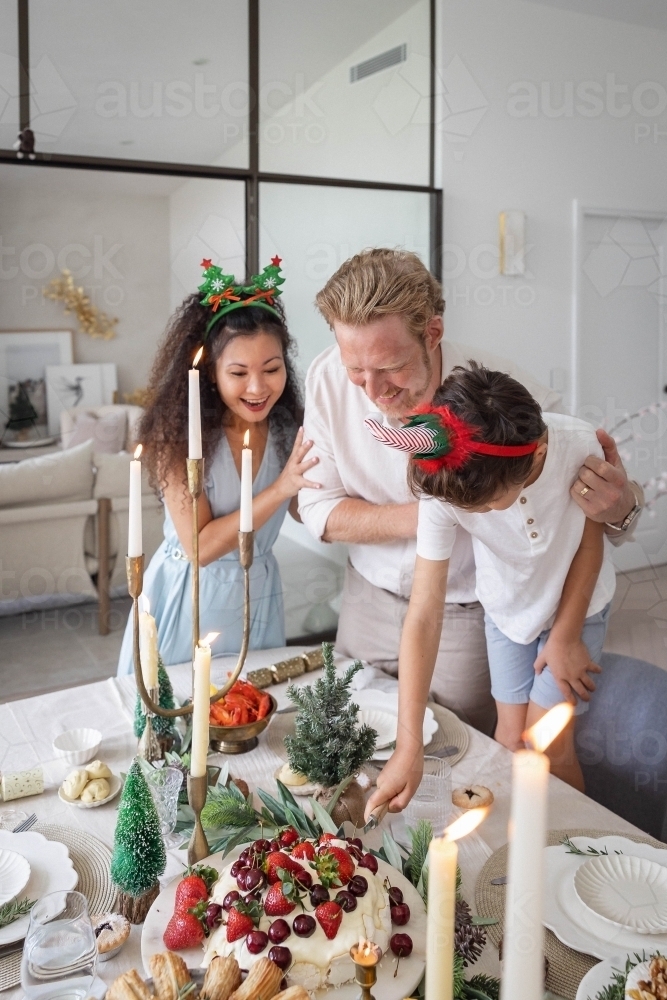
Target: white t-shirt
(523, 554)
(353, 464)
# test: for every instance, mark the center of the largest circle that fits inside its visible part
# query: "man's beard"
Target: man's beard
(408, 401)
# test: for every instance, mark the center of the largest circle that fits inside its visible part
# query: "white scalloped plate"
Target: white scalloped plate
(629, 892)
(384, 723)
(14, 874)
(369, 699)
(51, 870)
(573, 923)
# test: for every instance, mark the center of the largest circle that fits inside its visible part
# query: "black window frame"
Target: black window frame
(251, 176)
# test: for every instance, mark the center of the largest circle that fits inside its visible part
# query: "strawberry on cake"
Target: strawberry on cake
(303, 904)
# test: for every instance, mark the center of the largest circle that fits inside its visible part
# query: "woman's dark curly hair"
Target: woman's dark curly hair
(163, 429)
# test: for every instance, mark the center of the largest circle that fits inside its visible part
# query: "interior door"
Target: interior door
(621, 355)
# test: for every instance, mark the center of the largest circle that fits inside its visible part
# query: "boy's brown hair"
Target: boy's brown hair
(505, 413)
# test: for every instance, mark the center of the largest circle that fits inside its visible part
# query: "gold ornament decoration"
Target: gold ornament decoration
(92, 321)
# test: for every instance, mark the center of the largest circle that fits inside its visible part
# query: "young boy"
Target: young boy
(485, 458)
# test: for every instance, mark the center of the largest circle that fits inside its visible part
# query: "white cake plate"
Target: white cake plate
(410, 970)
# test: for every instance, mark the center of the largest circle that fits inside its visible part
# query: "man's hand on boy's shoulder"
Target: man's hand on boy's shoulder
(602, 489)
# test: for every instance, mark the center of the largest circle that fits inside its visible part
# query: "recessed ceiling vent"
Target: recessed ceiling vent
(392, 57)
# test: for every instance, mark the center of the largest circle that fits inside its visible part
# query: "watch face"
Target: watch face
(631, 516)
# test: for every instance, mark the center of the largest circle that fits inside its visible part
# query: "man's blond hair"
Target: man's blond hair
(382, 282)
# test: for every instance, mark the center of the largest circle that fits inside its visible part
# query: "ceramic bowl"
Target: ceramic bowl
(77, 746)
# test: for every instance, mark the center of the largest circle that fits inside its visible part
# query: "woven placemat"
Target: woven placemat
(566, 967)
(91, 859)
(450, 732)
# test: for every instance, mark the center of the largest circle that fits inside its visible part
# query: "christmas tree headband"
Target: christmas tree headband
(223, 295)
(438, 439)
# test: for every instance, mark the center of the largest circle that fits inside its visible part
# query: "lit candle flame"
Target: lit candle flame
(197, 358)
(544, 732)
(246, 439)
(209, 639)
(138, 450)
(466, 823)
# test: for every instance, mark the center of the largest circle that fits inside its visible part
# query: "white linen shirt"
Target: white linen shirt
(353, 464)
(523, 554)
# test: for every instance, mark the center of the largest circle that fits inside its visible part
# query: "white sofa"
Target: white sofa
(63, 529)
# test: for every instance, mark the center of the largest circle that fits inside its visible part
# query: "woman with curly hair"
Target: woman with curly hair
(248, 382)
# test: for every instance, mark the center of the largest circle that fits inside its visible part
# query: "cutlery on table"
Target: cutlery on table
(376, 817)
(26, 824)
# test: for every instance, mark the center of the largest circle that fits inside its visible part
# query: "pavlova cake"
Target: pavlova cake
(303, 904)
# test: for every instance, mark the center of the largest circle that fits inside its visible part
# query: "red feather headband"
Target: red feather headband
(438, 439)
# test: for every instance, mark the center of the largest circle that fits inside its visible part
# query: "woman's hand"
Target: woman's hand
(292, 478)
(398, 781)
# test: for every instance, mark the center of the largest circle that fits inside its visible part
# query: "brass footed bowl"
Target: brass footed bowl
(240, 739)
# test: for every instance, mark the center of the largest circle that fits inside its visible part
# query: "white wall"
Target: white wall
(114, 237)
(600, 149)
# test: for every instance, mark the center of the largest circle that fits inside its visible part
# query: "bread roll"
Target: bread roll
(96, 790)
(223, 976)
(74, 784)
(96, 769)
(170, 974)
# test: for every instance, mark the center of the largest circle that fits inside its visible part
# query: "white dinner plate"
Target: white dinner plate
(385, 725)
(601, 975)
(115, 786)
(385, 702)
(14, 874)
(576, 925)
(51, 870)
(629, 892)
(410, 970)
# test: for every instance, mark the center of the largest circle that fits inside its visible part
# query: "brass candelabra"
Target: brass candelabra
(197, 786)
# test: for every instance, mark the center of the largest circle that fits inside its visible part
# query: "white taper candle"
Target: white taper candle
(246, 484)
(134, 535)
(194, 409)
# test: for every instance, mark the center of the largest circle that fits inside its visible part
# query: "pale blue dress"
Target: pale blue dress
(167, 581)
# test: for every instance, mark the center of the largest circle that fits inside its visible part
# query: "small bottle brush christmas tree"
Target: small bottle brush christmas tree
(139, 856)
(22, 414)
(329, 745)
(164, 729)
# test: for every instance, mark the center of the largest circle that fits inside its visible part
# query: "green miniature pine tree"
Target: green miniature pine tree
(328, 744)
(138, 852)
(162, 727)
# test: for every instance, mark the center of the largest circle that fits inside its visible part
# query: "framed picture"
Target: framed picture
(68, 386)
(24, 358)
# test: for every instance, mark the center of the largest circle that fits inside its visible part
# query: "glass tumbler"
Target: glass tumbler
(165, 785)
(60, 951)
(433, 799)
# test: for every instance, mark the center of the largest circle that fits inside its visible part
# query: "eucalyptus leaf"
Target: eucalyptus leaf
(331, 804)
(392, 851)
(275, 807)
(323, 817)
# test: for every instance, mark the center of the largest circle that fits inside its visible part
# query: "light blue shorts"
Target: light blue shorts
(513, 678)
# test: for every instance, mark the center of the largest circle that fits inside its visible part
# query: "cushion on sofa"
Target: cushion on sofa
(61, 476)
(113, 475)
(107, 430)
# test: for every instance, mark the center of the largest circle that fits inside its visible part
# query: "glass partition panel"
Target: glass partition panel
(9, 75)
(314, 229)
(133, 242)
(158, 80)
(344, 89)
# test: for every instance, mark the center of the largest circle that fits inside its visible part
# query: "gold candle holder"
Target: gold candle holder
(149, 747)
(365, 956)
(198, 848)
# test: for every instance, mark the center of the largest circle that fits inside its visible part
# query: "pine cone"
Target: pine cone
(469, 941)
(463, 913)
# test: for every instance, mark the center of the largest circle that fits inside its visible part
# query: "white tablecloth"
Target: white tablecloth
(28, 727)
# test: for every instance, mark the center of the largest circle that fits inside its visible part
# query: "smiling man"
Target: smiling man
(386, 309)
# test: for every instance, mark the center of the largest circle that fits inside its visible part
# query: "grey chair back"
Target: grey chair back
(622, 742)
